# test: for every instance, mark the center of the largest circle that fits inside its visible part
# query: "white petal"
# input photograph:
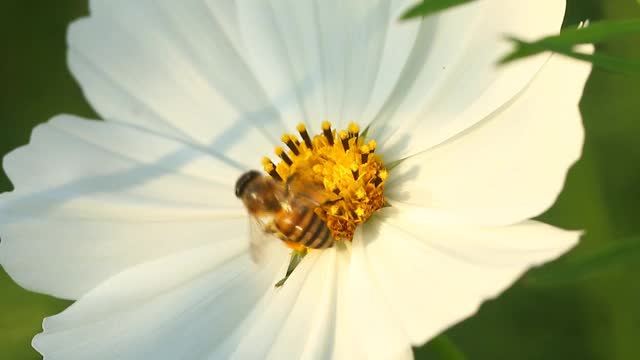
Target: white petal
(433, 278)
(344, 318)
(401, 39)
(256, 335)
(179, 307)
(346, 344)
(170, 68)
(452, 81)
(67, 258)
(94, 198)
(309, 330)
(330, 59)
(508, 168)
(71, 138)
(71, 164)
(375, 329)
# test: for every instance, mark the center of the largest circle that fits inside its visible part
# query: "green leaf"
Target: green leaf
(596, 32)
(565, 42)
(620, 253)
(610, 63)
(429, 7)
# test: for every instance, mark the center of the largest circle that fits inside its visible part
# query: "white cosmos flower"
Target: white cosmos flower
(135, 217)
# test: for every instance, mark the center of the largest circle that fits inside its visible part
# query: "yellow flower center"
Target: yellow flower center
(342, 163)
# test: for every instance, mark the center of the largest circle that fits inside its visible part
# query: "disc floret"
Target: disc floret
(346, 166)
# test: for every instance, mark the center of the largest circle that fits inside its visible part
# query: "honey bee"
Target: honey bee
(285, 210)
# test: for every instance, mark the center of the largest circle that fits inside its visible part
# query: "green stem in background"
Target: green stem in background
(440, 348)
(619, 253)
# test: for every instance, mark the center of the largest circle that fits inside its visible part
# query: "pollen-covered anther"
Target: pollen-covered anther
(305, 135)
(355, 171)
(354, 130)
(326, 130)
(283, 155)
(372, 146)
(289, 140)
(344, 139)
(343, 165)
(364, 154)
(270, 168)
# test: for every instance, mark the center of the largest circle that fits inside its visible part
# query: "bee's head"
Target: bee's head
(244, 180)
(257, 192)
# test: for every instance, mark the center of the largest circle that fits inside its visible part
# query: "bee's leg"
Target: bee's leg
(271, 228)
(331, 202)
(296, 258)
(287, 184)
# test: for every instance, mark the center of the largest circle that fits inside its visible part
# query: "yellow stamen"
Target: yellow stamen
(343, 163)
(364, 150)
(372, 145)
(305, 135)
(344, 139)
(326, 130)
(354, 130)
(283, 155)
(270, 168)
(290, 141)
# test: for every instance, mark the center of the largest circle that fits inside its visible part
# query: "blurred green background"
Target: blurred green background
(596, 316)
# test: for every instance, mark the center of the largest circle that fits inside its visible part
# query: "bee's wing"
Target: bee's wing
(259, 241)
(311, 193)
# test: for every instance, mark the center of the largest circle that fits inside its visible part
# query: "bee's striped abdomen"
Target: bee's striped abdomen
(318, 235)
(305, 227)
